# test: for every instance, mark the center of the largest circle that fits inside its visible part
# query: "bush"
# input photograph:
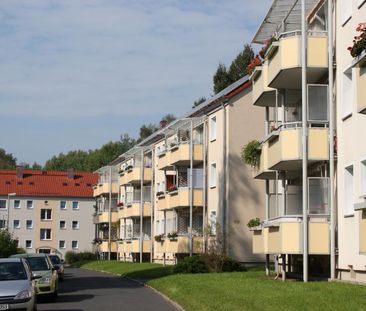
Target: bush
(251, 153)
(194, 264)
(255, 222)
(221, 263)
(231, 265)
(73, 257)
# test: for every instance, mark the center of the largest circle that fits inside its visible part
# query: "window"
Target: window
(29, 204)
(75, 205)
(348, 190)
(29, 224)
(28, 244)
(62, 244)
(213, 129)
(363, 177)
(74, 244)
(16, 203)
(62, 224)
(62, 204)
(46, 214)
(347, 101)
(75, 225)
(346, 11)
(16, 224)
(213, 174)
(45, 234)
(2, 224)
(2, 204)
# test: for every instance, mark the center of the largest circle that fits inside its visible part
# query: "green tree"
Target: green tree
(8, 245)
(237, 69)
(7, 160)
(169, 118)
(221, 79)
(146, 130)
(199, 101)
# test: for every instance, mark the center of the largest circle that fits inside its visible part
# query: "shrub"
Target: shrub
(73, 257)
(21, 250)
(231, 265)
(255, 222)
(194, 264)
(251, 153)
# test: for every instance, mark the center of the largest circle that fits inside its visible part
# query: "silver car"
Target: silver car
(17, 288)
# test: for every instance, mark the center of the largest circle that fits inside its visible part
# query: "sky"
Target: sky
(75, 74)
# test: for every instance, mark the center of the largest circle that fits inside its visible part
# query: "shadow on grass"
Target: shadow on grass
(151, 273)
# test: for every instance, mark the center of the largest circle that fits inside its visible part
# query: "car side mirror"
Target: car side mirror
(36, 277)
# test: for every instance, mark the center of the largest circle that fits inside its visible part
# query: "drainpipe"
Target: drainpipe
(304, 140)
(204, 198)
(331, 142)
(152, 204)
(223, 192)
(191, 190)
(141, 202)
(110, 213)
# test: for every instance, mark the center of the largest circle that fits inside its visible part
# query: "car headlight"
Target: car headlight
(24, 294)
(45, 280)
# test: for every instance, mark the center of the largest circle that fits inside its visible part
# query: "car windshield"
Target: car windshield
(55, 259)
(10, 271)
(38, 263)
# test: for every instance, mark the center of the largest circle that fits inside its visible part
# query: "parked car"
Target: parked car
(41, 265)
(17, 285)
(59, 265)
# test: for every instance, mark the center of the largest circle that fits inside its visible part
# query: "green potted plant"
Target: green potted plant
(254, 222)
(159, 238)
(251, 153)
(173, 236)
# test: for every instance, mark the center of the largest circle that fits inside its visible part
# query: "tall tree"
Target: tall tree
(7, 160)
(221, 79)
(169, 118)
(237, 69)
(199, 101)
(146, 130)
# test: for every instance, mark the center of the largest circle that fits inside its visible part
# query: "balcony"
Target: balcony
(104, 188)
(133, 210)
(362, 233)
(104, 247)
(133, 176)
(262, 94)
(285, 147)
(133, 246)
(284, 59)
(179, 245)
(360, 71)
(285, 237)
(262, 171)
(179, 198)
(103, 217)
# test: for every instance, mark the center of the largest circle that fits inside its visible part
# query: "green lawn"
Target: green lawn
(249, 290)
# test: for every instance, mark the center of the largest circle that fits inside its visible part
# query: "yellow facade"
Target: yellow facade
(263, 95)
(179, 245)
(104, 217)
(133, 246)
(104, 247)
(134, 210)
(362, 233)
(134, 176)
(179, 198)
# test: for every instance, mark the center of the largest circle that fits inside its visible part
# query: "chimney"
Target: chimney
(70, 173)
(162, 124)
(19, 171)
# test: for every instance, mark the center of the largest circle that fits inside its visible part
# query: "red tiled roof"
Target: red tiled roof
(47, 184)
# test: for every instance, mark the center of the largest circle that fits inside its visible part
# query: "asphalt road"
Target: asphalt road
(84, 290)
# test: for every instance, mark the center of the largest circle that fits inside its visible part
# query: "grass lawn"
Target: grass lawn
(249, 290)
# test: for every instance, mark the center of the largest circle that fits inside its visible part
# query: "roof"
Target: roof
(47, 184)
(287, 11)
(11, 259)
(28, 255)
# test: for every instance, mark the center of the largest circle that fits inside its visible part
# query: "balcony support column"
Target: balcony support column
(110, 213)
(191, 190)
(204, 197)
(283, 257)
(304, 139)
(141, 202)
(267, 264)
(152, 203)
(331, 141)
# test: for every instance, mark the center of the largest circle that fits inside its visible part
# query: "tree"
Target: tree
(146, 130)
(237, 69)
(221, 79)
(169, 118)
(199, 101)
(7, 160)
(8, 245)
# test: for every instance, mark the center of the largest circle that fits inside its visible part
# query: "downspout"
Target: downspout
(110, 213)
(152, 204)
(331, 141)
(191, 190)
(204, 198)
(141, 202)
(304, 140)
(223, 193)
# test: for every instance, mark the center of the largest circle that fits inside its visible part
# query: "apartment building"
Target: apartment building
(351, 126)
(186, 185)
(49, 212)
(313, 92)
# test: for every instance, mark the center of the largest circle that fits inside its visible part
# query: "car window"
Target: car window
(38, 263)
(55, 259)
(12, 271)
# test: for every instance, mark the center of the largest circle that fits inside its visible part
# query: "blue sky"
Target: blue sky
(76, 74)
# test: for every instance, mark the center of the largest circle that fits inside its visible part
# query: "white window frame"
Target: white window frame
(77, 205)
(363, 177)
(30, 206)
(47, 210)
(347, 93)
(62, 228)
(19, 206)
(65, 207)
(77, 225)
(26, 224)
(18, 226)
(348, 188)
(6, 205)
(45, 230)
(213, 175)
(59, 244)
(213, 128)
(77, 244)
(31, 244)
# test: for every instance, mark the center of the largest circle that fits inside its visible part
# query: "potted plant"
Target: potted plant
(256, 61)
(129, 167)
(97, 241)
(159, 238)
(263, 51)
(173, 144)
(172, 188)
(255, 222)
(120, 204)
(359, 41)
(251, 153)
(160, 193)
(173, 236)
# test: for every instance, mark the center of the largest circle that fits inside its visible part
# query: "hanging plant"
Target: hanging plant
(255, 222)
(173, 235)
(263, 51)
(251, 153)
(159, 238)
(256, 61)
(359, 42)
